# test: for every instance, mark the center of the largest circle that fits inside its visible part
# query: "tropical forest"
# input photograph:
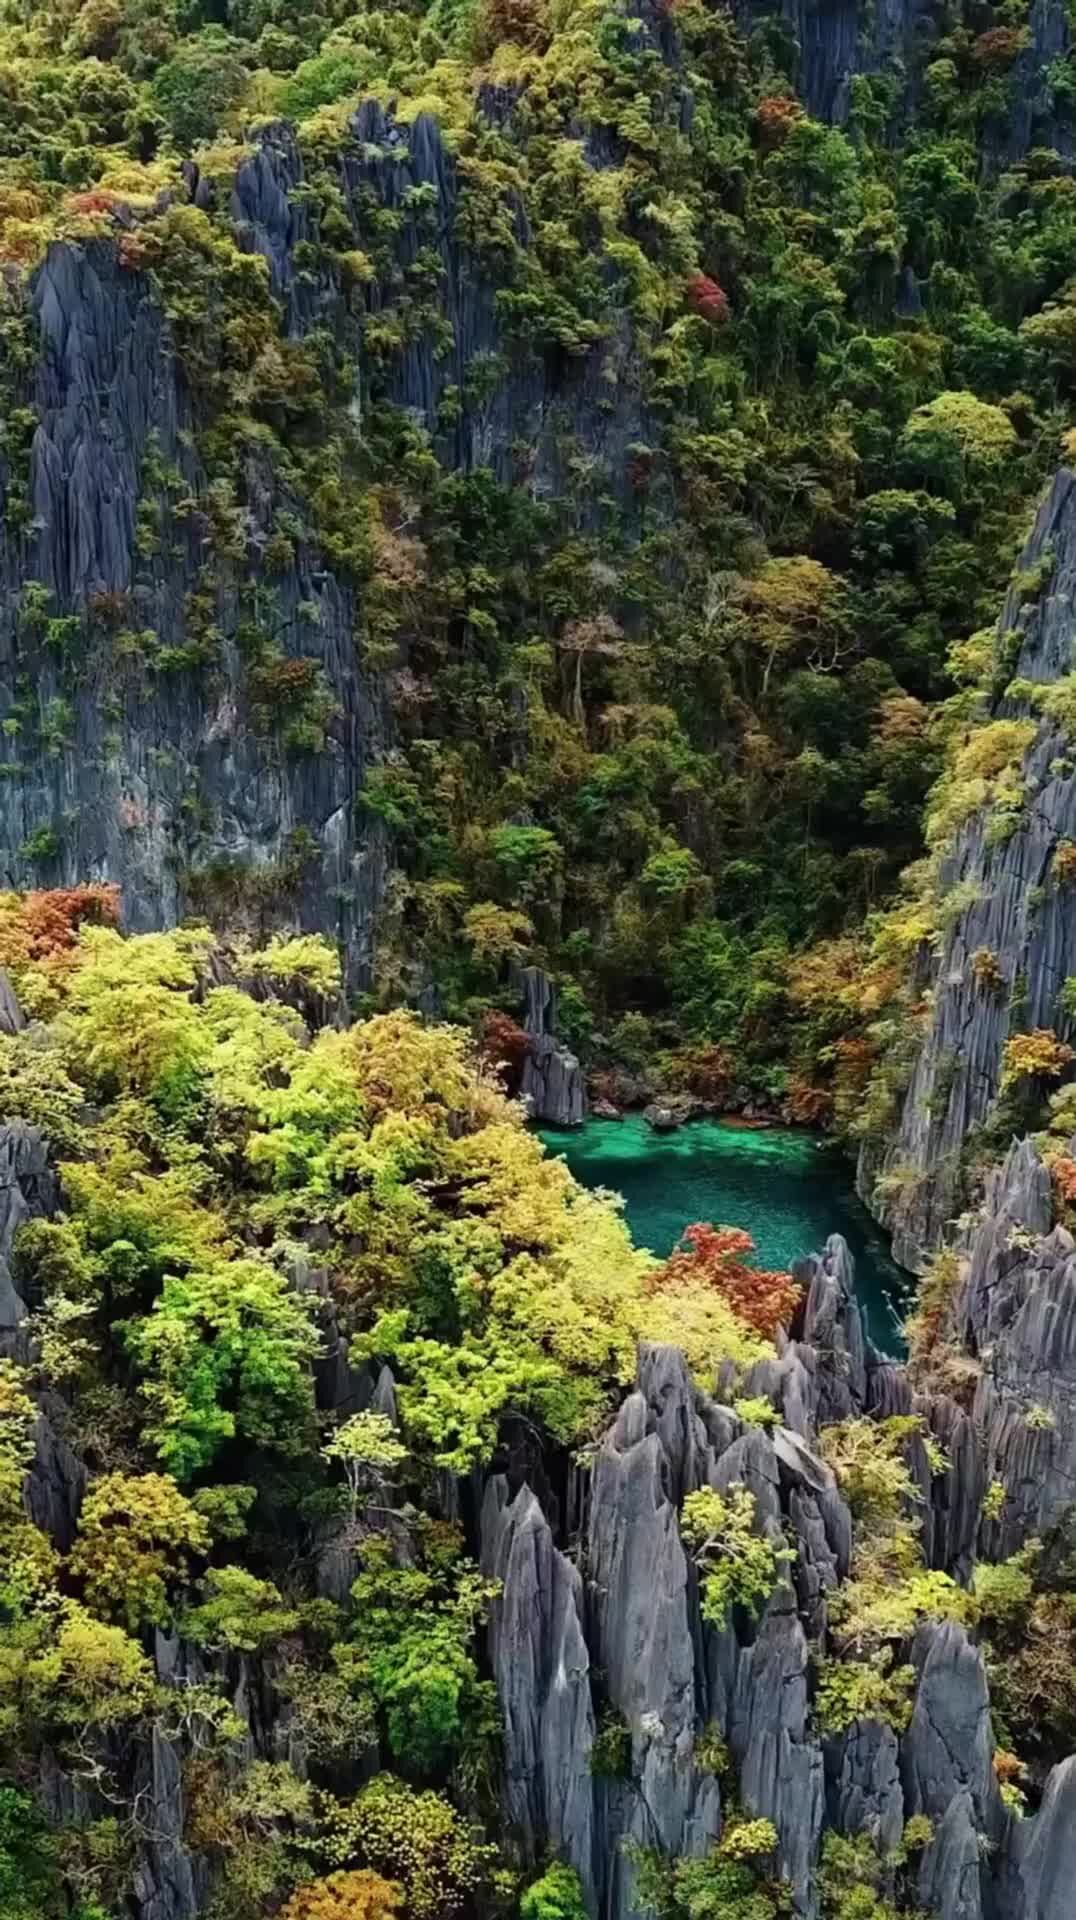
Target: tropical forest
(537, 960)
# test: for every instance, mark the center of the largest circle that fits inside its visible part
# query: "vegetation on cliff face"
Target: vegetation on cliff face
(663, 717)
(241, 1186)
(239, 1193)
(668, 697)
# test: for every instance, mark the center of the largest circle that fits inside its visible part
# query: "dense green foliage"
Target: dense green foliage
(667, 702)
(215, 1148)
(663, 718)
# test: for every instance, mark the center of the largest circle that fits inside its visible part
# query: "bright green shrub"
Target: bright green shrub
(737, 1566)
(135, 1539)
(557, 1895)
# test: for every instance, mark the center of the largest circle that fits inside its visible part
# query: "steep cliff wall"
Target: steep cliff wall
(833, 45)
(133, 753)
(1017, 909)
(186, 709)
(139, 745)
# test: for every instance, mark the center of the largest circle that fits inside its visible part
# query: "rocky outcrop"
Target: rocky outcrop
(28, 1191)
(835, 43)
(1040, 1886)
(863, 1788)
(628, 1648)
(948, 1775)
(541, 1664)
(626, 1644)
(553, 1085)
(1015, 911)
(145, 758)
(1016, 1312)
(134, 767)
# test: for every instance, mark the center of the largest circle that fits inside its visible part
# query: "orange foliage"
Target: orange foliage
(900, 718)
(999, 46)
(1063, 866)
(809, 1106)
(986, 970)
(1063, 1174)
(54, 915)
(136, 250)
(345, 1896)
(775, 118)
(714, 1256)
(1034, 1055)
(98, 200)
(40, 929)
(42, 924)
(830, 971)
(523, 21)
(708, 1073)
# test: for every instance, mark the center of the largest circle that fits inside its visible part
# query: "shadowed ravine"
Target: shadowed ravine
(787, 1188)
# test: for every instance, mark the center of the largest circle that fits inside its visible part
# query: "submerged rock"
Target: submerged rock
(665, 1115)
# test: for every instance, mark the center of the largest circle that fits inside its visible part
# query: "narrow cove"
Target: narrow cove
(787, 1188)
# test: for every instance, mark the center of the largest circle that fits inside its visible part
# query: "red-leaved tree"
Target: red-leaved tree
(708, 299)
(53, 915)
(775, 118)
(716, 1257)
(504, 1046)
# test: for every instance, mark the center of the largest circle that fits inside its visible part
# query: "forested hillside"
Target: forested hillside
(510, 479)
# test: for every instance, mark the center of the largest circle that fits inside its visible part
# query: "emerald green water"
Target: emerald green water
(787, 1188)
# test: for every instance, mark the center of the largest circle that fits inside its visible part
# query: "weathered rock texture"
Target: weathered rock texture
(832, 45)
(611, 1685)
(1016, 912)
(167, 779)
(162, 779)
(620, 1639)
(553, 1084)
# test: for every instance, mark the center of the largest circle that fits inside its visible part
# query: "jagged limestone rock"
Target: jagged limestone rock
(839, 42)
(12, 1017)
(1013, 913)
(1043, 1883)
(56, 1479)
(28, 1191)
(112, 406)
(863, 1790)
(948, 1747)
(553, 1085)
(541, 1665)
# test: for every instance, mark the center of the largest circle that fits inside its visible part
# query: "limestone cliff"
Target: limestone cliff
(609, 1621)
(838, 44)
(1016, 909)
(136, 749)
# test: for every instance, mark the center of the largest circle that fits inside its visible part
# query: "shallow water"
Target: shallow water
(787, 1188)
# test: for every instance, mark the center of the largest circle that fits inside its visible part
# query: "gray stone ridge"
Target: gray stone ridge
(833, 43)
(554, 1087)
(1015, 910)
(128, 765)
